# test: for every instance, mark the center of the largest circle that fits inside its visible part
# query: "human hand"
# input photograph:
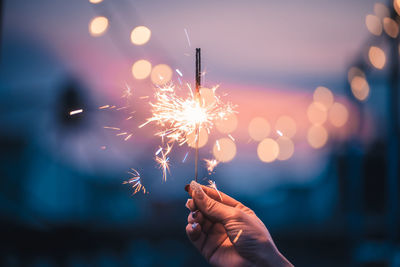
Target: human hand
(226, 232)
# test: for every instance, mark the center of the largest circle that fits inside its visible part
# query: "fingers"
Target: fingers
(221, 197)
(196, 217)
(212, 209)
(196, 236)
(190, 205)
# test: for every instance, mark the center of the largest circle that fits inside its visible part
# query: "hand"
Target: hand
(227, 233)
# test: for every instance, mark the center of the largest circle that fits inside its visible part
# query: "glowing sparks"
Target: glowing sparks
(163, 162)
(128, 137)
(76, 112)
(112, 128)
(178, 117)
(135, 182)
(184, 158)
(279, 132)
(179, 72)
(158, 151)
(104, 107)
(187, 37)
(214, 186)
(127, 92)
(211, 164)
(231, 137)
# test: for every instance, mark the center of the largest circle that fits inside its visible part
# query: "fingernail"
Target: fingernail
(187, 203)
(187, 188)
(196, 188)
(194, 225)
(194, 214)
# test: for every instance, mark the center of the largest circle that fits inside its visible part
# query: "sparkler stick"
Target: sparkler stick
(198, 82)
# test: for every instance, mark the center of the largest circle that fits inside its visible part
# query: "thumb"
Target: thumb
(214, 210)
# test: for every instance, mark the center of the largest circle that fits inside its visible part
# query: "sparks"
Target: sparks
(187, 37)
(279, 132)
(135, 181)
(76, 112)
(211, 164)
(127, 92)
(163, 162)
(178, 117)
(105, 106)
(184, 158)
(179, 72)
(213, 185)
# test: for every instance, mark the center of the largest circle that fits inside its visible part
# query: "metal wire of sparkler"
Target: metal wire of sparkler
(198, 83)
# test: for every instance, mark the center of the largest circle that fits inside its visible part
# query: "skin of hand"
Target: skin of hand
(226, 232)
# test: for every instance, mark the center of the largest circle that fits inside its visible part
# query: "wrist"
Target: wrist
(273, 258)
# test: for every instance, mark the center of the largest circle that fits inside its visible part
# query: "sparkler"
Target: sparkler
(163, 161)
(180, 118)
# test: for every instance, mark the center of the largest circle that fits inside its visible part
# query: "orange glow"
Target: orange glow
(373, 24)
(317, 113)
(98, 26)
(203, 138)
(140, 35)
(391, 27)
(259, 128)
(141, 69)
(207, 97)
(360, 88)
(161, 74)
(286, 125)
(268, 150)
(338, 115)
(228, 124)
(286, 148)
(377, 57)
(353, 72)
(323, 96)
(224, 150)
(317, 136)
(396, 4)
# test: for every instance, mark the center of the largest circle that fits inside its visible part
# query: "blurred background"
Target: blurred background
(313, 149)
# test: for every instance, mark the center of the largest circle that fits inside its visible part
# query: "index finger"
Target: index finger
(211, 192)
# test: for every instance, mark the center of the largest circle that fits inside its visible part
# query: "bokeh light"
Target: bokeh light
(317, 136)
(353, 72)
(161, 74)
(323, 96)
(373, 24)
(207, 97)
(98, 26)
(381, 10)
(259, 128)
(338, 114)
(228, 124)
(224, 150)
(286, 148)
(268, 150)
(377, 57)
(203, 138)
(360, 88)
(141, 69)
(286, 125)
(317, 113)
(391, 27)
(140, 35)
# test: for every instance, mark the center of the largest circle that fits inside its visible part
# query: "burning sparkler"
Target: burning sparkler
(135, 181)
(180, 117)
